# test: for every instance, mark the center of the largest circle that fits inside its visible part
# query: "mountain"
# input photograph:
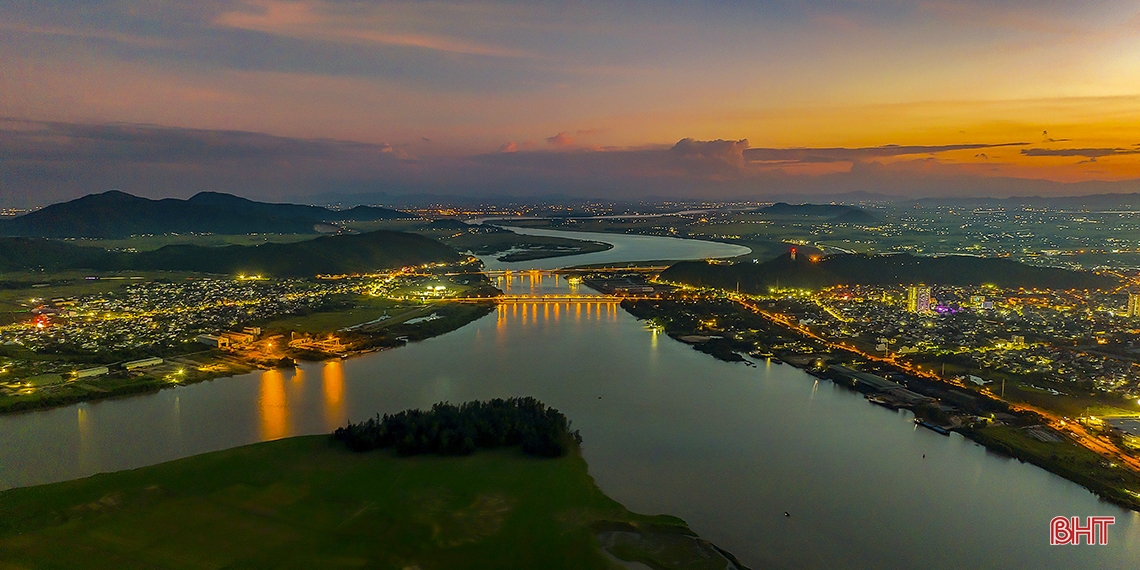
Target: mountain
(117, 214)
(1111, 201)
(812, 210)
(349, 253)
(901, 269)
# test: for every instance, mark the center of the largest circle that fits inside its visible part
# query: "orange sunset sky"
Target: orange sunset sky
(725, 99)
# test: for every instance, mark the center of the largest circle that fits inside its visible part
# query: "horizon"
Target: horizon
(273, 99)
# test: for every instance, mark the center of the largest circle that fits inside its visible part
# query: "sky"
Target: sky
(620, 100)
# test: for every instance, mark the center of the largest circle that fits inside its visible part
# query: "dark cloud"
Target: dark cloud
(709, 158)
(43, 140)
(42, 162)
(843, 154)
(1082, 152)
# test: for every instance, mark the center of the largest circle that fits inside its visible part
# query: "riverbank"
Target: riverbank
(307, 502)
(725, 329)
(182, 370)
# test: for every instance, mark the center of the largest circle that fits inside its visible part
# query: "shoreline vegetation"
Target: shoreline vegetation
(309, 502)
(724, 329)
(460, 430)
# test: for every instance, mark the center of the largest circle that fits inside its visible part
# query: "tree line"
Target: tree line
(449, 429)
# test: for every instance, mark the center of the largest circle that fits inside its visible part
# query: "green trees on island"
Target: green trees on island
(448, 429)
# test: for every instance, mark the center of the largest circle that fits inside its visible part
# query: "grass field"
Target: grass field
(149, 243)
(308, 503)
(363, 309)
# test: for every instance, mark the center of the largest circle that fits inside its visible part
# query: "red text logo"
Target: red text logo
(1069, 530)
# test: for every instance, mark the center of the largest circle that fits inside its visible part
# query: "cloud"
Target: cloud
(716, 158)
(49, 140)
(316, 20)
(560, 140)
(91, 34)
(43, 161)
(1082, 152)
(842, 154)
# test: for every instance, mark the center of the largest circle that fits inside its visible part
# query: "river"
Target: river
(666, 429)
(625, 248)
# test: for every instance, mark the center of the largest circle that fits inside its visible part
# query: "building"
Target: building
(1133, 305)
(91, 372)
(918, 299)
(142, 363)
(239, 339)
(213, 341)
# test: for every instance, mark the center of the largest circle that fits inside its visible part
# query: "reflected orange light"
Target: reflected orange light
(332, 378)
(271, 404)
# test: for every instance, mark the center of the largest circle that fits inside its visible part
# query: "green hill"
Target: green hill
(117, 214)
(329, 254)
(879, 270)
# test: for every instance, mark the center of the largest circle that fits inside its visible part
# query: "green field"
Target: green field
(150, 243)
(308, 503)
(361, 309)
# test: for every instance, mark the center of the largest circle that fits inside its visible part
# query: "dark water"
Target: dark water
(727, 447)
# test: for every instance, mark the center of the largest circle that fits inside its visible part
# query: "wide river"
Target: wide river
(727, 447)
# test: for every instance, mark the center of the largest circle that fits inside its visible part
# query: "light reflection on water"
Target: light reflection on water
(274, 416)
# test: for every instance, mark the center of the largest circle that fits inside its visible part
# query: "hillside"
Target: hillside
(117, 214)
(879, 270)
(328, 254)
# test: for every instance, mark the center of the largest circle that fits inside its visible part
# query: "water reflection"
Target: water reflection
(272, 405)
(332, 379)
(86, 445)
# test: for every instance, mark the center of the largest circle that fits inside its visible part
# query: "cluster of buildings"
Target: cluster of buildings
(228, 339)
(1060, 337)
(158, 315)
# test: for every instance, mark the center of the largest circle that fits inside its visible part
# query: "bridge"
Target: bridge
(567, 271)
(570, 298)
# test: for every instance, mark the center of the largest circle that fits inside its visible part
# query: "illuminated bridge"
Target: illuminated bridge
(566, 271)
(570, 298)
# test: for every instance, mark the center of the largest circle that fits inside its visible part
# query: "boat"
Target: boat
(932, 427)
(881, 402)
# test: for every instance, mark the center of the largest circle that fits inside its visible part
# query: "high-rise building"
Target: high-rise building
(918, 299)
(1134, 305)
